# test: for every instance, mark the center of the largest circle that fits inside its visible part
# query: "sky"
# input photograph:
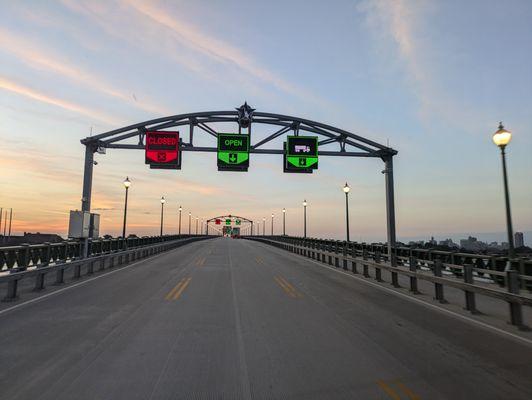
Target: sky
(430, 78)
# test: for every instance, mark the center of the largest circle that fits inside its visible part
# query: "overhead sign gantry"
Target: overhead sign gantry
(226, 222)
(305, 142)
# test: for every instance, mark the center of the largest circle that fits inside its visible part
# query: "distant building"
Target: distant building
(432, 242)
(448, 243)
(472, 244)
(519, 239)
(34, 238)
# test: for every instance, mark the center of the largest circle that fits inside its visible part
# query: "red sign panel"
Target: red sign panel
(162, 149)
(218, 222)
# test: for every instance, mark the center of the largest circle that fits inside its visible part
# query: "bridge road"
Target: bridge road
(235, 319)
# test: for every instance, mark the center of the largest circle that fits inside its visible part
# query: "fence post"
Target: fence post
(364, 265)
(23, 258)
(102, 264)
(77, 272)
(438, 287)
(345, 256)
(469, 296)
(516, 310)
(39, 282)
(412, 261)
(90, 268)
(353, 262)
(60, 276)
(378, 271)
(12, 286)
(46, 254)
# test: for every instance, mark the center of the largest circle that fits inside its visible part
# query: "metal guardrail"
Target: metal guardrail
(484, 266)
(38, 261)
(19, 258)
(330, 252)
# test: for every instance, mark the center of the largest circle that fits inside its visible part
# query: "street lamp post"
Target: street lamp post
(264, 227)
(189, 218)
(197, 218)
(305, 218)
(180, 209)
(127, 184)
(162, 213)
(272, 224)
(501, 138)
(284, 221)
(346, 189)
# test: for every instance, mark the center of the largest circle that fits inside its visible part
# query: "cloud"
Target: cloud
(19, 89)
(149, 18)
(36, 56)
(405, 23)
(400, 17)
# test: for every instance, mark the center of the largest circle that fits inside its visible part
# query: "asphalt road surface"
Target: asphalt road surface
(235, 319)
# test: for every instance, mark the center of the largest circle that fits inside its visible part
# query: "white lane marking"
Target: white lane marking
(244, 375)
(77, 284)
(422, 302)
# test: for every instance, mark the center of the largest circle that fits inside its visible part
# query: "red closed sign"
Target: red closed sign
(162, 149)
(218, 221)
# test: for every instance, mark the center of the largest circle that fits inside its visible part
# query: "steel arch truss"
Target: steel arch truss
(349, 144)
(230, 216)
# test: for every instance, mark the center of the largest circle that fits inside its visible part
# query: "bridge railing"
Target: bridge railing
(432, 267)
(48, 263)
(484, 266)
(19, 258)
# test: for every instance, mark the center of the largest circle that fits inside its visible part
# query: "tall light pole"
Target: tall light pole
(305, 218)
(272, 224)
(197, 218)
(127, 184)
(180, 209)
(162, 213)
(501, 138)
(264, 227)
(284, 221)
(346, 189)
(189, 218)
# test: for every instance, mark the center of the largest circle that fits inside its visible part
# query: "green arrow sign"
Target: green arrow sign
(237, 222)
(301, 154)
(233, 152)
(228, 222)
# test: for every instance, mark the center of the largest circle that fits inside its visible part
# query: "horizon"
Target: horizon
(430, 79)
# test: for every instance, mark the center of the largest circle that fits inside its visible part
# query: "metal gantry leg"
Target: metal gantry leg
(87, 189)
(390, 215)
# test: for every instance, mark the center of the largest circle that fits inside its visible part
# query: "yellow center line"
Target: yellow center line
(282, 285)
(411, 395)
(291, 287)
(389, 391)
(174, 289)
(182, 288)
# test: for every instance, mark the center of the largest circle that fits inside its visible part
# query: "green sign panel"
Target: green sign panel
(301, 154)
(237, 222)
(228, 222)
(233, 152)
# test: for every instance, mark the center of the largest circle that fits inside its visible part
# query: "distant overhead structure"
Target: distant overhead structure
(304, 144)
(226, 223)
